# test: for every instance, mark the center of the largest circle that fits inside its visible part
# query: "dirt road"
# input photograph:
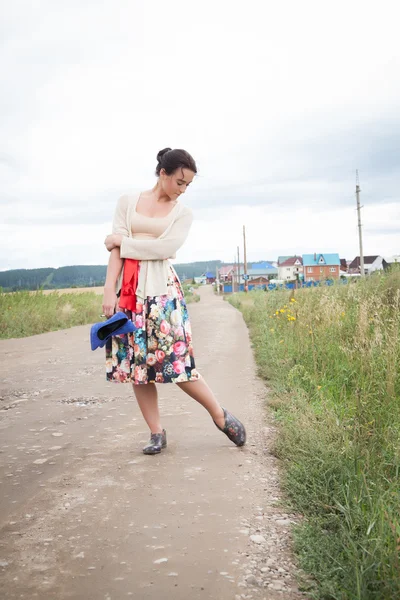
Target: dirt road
(85, 515)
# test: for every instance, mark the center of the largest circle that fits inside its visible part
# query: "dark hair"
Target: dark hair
(171, 160)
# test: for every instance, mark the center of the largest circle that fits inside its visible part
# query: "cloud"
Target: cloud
(394, 230)
(276, 111)
(319, 174)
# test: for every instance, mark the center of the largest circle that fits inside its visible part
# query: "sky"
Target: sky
(279, 104)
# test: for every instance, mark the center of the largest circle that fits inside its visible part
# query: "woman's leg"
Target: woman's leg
(228, 423)
(200, 391)
(146, 396)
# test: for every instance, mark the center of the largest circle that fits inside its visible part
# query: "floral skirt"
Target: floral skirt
(160, 350)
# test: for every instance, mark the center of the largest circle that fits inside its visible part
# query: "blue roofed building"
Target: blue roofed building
(262, 265)
(257, 272)
(210, 277)
(317, 266)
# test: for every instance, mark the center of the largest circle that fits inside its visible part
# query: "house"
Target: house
(259, 282)
(344, 265)
(282, 259)
(290, 269)
(200, 280)
(207, 277)
(210, 277)
(266, 264)
(371, 264)
(321, 266)
(255, 274)
(226, 273)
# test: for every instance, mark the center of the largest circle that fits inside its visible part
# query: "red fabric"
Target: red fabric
(127, 298)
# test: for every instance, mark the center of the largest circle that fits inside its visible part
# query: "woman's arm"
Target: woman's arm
(153, 249)
(119, 224)
(114, 268)
(115, 262)
(110, 299)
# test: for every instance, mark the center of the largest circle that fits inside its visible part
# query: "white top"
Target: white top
(140, 241)
(143, 227)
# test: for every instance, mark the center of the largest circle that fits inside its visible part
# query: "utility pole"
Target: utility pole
(245, 259)
(238, 262)
(359, 225)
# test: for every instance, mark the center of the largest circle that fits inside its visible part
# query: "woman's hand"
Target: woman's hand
(113, 241)
(110, 302)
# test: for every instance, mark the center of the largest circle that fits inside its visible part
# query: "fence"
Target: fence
(283, 286)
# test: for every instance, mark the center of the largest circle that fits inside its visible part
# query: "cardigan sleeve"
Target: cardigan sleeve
(119, 222)
(159, 248)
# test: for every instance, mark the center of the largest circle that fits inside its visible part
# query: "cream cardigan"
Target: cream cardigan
(153, 253)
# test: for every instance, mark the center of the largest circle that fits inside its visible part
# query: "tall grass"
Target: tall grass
(26, 313)
(29, 313)
(190, 294)
(332, 358)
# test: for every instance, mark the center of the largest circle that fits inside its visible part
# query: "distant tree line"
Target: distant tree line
(49, 278)
(83, 276)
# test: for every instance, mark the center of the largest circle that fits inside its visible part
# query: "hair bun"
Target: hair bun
(161, 154)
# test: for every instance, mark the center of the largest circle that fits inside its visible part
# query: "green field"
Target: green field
(29, 313)
(191, 296)
(331, 356)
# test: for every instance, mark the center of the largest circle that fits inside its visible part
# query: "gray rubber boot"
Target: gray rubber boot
(158, 441)
(233, 428)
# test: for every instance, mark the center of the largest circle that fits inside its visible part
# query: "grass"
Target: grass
(332, 360)
(29, 313)
(190, 296)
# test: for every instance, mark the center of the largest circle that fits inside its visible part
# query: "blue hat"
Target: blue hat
(115, 325)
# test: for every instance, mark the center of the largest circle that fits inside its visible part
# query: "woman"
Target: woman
(148, 229)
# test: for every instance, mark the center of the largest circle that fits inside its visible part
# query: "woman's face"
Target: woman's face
(177, 183)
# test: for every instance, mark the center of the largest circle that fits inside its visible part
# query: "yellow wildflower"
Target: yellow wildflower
(281, 342)
(272, 329)
(292, 300)
(319, 387)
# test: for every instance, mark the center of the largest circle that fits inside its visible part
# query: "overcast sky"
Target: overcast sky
(278, 102)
